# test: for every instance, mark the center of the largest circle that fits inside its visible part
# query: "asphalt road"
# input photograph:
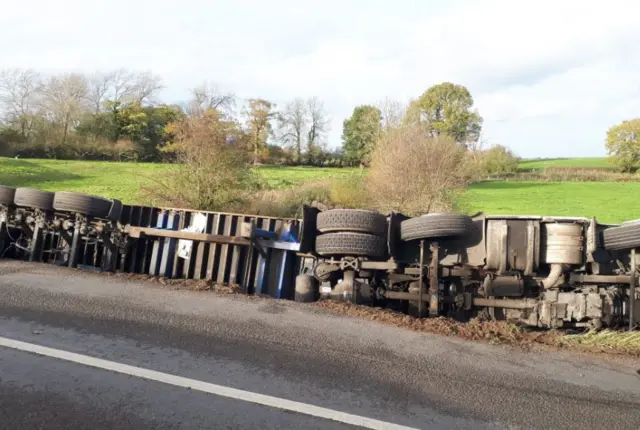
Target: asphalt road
(282, 350)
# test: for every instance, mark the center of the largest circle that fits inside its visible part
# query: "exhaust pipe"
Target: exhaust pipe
(556, 272)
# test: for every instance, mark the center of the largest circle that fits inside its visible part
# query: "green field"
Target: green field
(608, 201)
(591, 162)
(113, 180)
(123, 180)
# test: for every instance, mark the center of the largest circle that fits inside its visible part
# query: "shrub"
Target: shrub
(287, 202)
(350, 192)
(210, 173)
(415, 173)
(498, 160)
(347, 192)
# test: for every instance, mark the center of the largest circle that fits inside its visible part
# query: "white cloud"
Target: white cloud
(542, 73)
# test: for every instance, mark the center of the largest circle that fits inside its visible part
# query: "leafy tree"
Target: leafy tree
(259, 113)
(120, 120)
(211, 174)
(447, 109)
(360, 132)
(144, 125)
(155, 134)
(623, 145)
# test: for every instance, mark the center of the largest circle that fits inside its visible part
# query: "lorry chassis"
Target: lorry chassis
(547, 272)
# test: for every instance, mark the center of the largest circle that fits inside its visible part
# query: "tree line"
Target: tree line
(117, 115)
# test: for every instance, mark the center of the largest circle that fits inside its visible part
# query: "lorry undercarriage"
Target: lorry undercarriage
(549, 272)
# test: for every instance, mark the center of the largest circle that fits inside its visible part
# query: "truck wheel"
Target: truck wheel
(356, 244)
(435, 225)
(625, 236)
(32, 198)
(7, 195)
(65, 201)
(355, 220)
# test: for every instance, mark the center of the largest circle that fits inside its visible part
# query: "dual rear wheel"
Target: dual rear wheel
(362, 233)
(61, 201)
(351, 232)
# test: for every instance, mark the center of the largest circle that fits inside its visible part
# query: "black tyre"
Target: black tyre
(625, 236)
(356, 244)
(435, 225)
(7, 194)
(85, 204)
(32, 198)
(355, 220)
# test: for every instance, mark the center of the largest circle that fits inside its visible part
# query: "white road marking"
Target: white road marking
(219, 390)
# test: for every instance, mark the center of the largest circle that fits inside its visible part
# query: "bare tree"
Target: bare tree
(122, 84)
(100, 86)
(65, 100)
(19, 90)
(145, 87)
(116, 85)
(392, 113)
(318, 127)
(206, 97)
(293, 123)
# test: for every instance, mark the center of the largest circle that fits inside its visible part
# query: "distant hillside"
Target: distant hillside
(586, 162)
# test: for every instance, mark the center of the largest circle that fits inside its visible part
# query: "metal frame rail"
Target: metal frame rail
(269, 269)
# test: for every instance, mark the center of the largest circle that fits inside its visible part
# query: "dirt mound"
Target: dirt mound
(498, 332)
(611, 343)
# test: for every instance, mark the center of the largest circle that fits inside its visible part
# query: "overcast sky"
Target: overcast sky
(549, 77)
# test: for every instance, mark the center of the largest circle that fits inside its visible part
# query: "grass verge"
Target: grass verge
(606, 341)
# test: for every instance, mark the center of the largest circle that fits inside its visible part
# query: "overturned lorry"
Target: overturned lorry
(550, 272)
